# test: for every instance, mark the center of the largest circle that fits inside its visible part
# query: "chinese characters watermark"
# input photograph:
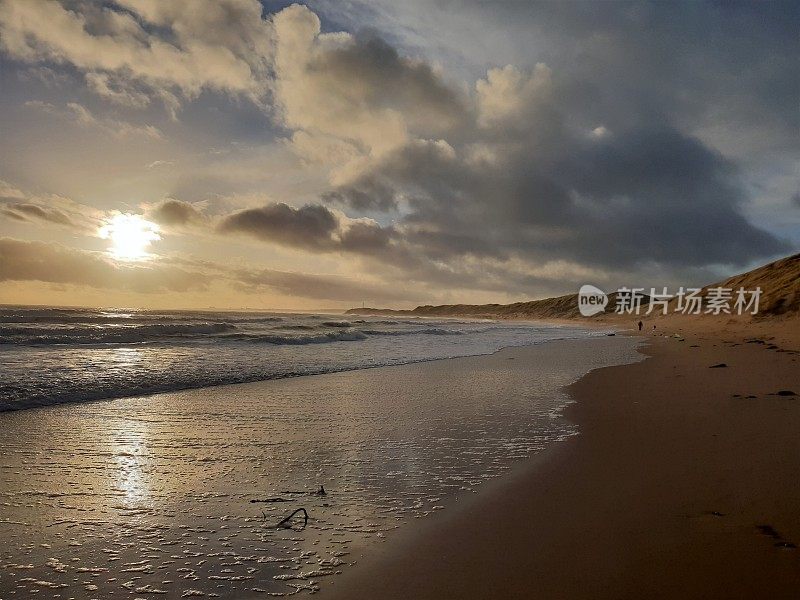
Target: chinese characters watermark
(688, 301)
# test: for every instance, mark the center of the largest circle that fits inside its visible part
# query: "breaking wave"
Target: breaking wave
(52, 355)
(118, 334)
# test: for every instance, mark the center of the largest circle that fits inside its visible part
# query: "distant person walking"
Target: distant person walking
(640, 325)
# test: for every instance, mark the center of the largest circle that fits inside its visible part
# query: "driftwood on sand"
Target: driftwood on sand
(287, 522)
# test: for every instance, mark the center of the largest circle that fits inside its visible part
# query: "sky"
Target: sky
(237, 154)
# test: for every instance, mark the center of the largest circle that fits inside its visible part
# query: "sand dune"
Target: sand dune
(779, 282)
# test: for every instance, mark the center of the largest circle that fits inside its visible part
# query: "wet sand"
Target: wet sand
(152, 496)
(683, 483)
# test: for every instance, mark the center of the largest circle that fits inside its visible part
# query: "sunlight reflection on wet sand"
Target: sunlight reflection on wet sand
(151, 495)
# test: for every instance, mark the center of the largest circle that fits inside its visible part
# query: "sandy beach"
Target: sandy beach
(683, 483)
(444, 479)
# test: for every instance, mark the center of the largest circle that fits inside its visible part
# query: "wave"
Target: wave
(69, 361)
(80, 328)
(258, 320)
(427, 331)
(337, 324)
(352, 335)
(123, 334)
(193, 331)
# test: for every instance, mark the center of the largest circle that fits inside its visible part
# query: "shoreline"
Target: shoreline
(589, 326)
(677, 486)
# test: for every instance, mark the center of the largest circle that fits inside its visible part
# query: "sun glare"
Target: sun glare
(130, 236)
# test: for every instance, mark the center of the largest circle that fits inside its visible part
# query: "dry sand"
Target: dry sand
(684, 483)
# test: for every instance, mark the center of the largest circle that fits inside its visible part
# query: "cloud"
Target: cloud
(172, 212)
(367, 194)
(57, 264)
(26, 212)
(77, 113)
(509, 97)
(557, 138)
(312, 227)
(619, 201)
(322, 287)
(180, 47)
(308, 227)
(357, 90)
(318, 229)
(47, 76)
(252, 279)
(54, 263)
(527, 168)
(116, 90)
(48, 209)
(8, 191)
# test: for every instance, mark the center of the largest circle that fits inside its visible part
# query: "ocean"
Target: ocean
(56, 355)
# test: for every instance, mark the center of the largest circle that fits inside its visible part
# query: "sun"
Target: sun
(130, 236)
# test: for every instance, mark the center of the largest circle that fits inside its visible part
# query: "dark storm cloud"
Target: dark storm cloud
(310, 226)
(384, 79)
(365, 237)
(661, 196)
(646, 194)
(632, 61)
(441, 245)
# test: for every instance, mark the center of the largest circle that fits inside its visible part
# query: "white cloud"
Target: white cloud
(47, 209)
(357, 91)
(188, 46)
(508, 95)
